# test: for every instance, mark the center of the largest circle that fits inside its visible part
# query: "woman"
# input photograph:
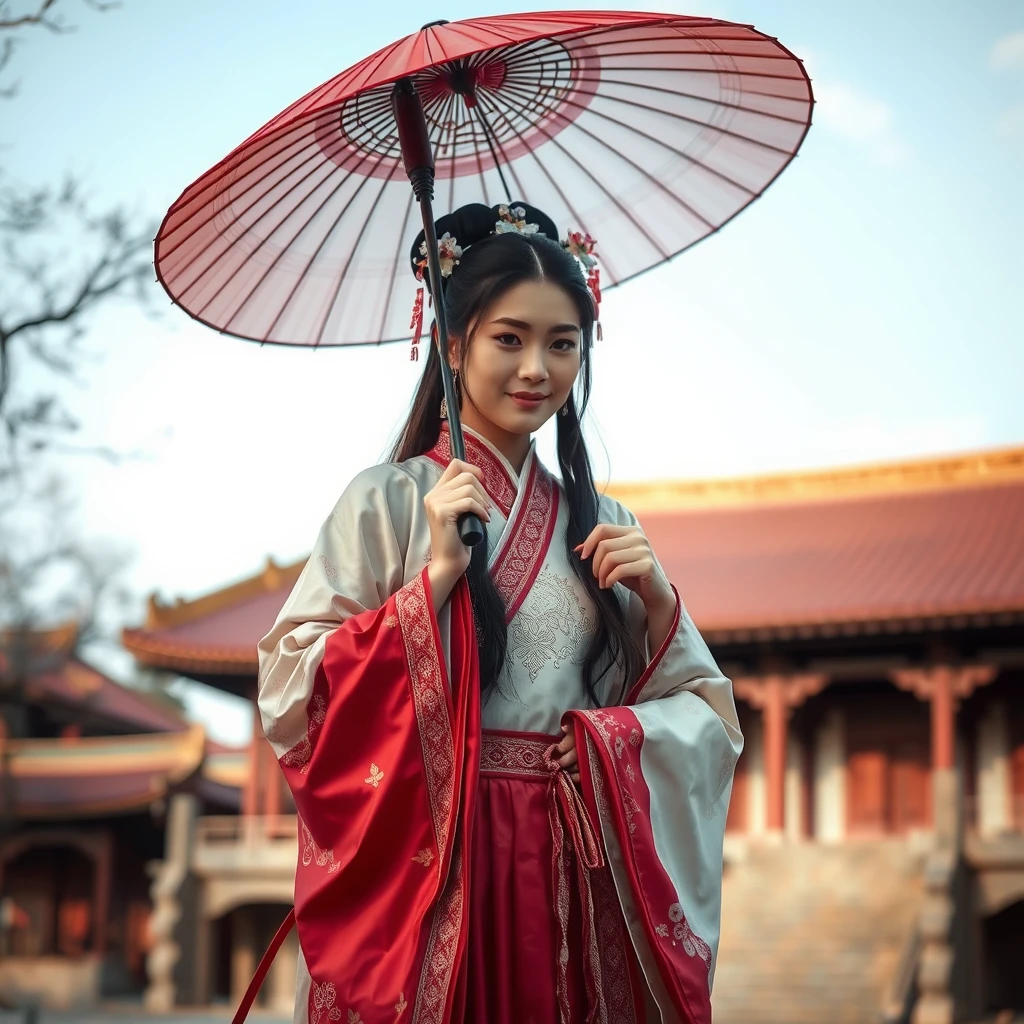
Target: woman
(511, 770)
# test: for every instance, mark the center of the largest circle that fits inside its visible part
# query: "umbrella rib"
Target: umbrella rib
(693, 96)
(273, 206)
(237, 215)
(284, 249)
(491, 142)
(484, 99)
(257, 180)
(392, 278)
(554, 184)
(661, 142)
(351, 255)
(646, 231)
(632, 163)
(679, 117)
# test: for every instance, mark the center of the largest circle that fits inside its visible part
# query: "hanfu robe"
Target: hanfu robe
(449, 871)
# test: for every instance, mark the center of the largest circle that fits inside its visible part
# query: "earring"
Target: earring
(564, 411)
(444, 398)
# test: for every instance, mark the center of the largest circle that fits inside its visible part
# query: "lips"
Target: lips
(529, 399)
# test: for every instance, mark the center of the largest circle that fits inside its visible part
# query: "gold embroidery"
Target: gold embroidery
(424, 857)
(551, 625)
(662, 930)
(323, 1003)
(401, 1005)
(391, 621)
(630, 774)
(311, 852)
(354, 1018)
(375, 776)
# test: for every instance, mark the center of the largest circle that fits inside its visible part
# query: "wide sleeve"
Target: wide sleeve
(375, 720)
(369, 548)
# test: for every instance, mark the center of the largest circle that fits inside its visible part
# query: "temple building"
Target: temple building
(86, 770)
(872, 619)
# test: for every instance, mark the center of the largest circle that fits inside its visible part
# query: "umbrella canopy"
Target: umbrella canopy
(647, 131)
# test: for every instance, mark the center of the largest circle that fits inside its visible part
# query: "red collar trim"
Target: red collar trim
(497, 481)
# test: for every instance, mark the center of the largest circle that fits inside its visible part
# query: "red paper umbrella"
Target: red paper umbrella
(647, 131)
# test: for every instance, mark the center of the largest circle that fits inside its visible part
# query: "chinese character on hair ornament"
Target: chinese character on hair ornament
(582, 247)
(450, 253)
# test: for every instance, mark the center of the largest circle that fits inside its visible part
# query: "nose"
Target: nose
(532, 366)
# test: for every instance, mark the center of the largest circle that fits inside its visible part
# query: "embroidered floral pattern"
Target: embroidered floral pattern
(323, 1008)
(514, 754)
(401, 1006)
(424, 857)
(431, 703)
(391, 621)
(329, 570)
(375, 776)
(311, 853)
(516, 565)
(298, 756)
(440, 953)
(551, 626)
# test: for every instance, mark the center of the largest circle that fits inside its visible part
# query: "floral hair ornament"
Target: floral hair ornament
(513, 220)
(450, 253)
(582, 246)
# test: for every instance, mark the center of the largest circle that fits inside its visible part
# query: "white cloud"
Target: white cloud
(1010, 122)
(860, 119)
(1008, 52)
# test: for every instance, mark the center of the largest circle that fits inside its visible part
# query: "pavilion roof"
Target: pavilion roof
(870, 548)
(98, 775)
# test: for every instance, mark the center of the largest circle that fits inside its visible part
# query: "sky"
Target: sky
(868, 307)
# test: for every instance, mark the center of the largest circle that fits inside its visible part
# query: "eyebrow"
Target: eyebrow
(524, 326)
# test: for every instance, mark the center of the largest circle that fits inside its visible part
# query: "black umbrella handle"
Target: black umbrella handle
(419, 165)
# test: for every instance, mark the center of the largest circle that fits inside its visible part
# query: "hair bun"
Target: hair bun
(473, 222)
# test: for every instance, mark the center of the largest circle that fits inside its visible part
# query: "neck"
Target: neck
(515, 447)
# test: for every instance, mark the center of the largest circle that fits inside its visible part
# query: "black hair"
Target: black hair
(490, 266)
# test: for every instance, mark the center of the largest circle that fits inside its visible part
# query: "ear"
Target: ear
(454, 352)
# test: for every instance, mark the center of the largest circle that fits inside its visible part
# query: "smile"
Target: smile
(528, 400)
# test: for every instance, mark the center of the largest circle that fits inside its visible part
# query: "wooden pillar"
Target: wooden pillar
(104, 869)
(250, 794)
(943, 686)
(776, 696)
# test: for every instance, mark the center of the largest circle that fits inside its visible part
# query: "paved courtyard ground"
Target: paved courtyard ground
(120, 1014)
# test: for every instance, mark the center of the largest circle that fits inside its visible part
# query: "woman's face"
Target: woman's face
(522, 361)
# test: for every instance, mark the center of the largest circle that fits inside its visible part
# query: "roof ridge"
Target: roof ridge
(272, 577)
(944, 472)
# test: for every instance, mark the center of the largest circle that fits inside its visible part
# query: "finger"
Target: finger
(468, 489)
(609, 545)
(634, 570)
(452, 510)
(599, 533)
(457, 467)
(575, 776)
(614, 559)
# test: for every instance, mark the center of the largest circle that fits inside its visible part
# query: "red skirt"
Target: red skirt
(547, 941)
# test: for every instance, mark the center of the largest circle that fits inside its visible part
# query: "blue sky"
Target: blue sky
(868, 307)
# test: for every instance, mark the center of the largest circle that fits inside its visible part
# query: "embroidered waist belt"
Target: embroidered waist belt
(529, 755)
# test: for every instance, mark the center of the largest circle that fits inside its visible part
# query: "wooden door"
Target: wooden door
(888, 768)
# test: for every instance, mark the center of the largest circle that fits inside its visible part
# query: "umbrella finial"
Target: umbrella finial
(431, 24)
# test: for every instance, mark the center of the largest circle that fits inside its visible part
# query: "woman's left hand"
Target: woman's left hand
(622, 554)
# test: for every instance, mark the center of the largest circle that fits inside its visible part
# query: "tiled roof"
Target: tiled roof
(836, 551)
(97, 776)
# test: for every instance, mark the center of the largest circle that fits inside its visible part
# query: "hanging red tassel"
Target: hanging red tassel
(416, 325)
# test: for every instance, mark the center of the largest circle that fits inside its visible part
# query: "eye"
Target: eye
(564, 344)
(507, 340)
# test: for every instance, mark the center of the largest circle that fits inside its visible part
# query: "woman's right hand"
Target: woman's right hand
(459, 490)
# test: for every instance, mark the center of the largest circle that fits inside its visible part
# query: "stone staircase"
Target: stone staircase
(813, 934)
